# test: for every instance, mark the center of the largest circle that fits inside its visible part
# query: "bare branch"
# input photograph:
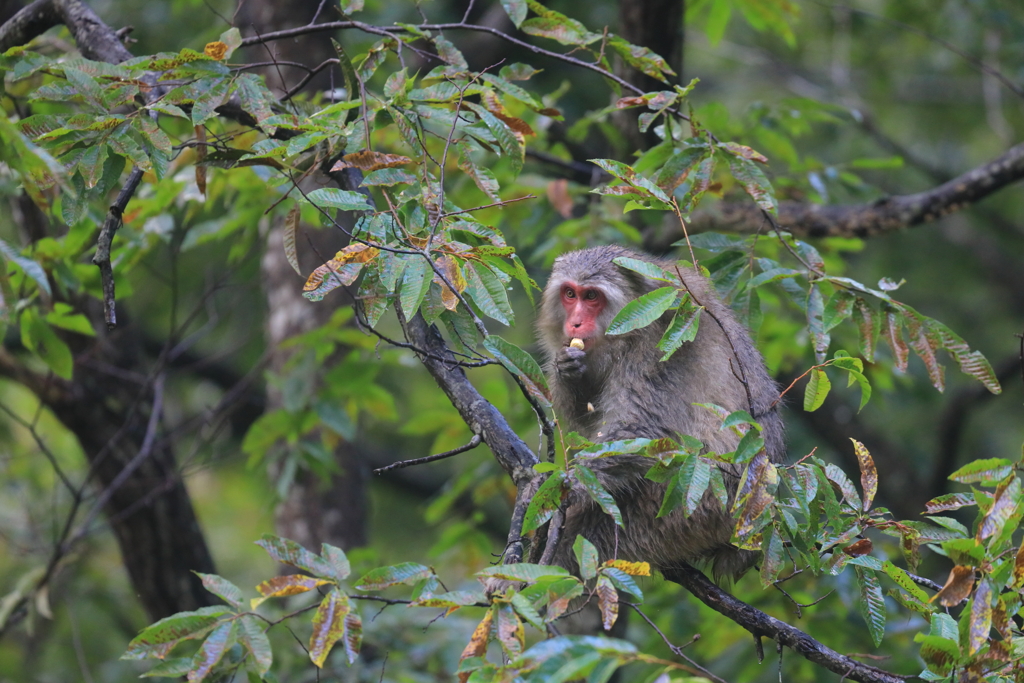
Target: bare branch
(473, 443)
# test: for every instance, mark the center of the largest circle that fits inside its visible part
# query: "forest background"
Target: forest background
(201, 423)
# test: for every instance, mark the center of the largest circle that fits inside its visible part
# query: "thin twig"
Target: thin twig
(473, 443)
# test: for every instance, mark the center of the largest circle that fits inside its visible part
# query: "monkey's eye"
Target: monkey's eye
(590, 295)
(569, 293)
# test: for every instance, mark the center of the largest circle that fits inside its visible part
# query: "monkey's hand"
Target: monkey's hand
(571, 363)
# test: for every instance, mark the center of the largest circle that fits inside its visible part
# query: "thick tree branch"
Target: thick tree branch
(863, 220)
(95, 40)
(763, 625)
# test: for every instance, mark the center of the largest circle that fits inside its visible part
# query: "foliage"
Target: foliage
(429, 239)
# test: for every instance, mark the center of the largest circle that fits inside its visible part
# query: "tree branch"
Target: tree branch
(761, 625)
(862, 220)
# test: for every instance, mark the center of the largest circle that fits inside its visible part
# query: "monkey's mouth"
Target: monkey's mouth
(578, 343)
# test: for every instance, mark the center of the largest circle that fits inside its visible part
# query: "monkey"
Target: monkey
(612, 387)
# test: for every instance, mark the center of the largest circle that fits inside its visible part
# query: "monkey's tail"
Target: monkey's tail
(728, 563)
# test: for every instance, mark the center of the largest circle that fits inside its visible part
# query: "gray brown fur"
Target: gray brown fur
(634, 394)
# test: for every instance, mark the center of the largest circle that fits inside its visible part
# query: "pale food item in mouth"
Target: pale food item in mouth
(576, 344)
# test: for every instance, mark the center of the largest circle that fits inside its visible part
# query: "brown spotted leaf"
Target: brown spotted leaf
(510, 632)
(283, 586)
(949, 501)
(926, 344)
(449, 267)
(892, 331)
(981, 616)
(868, 473)
(1004, 504)
(328, 626)
(477, 645)
(867, 324)
(958, 586)
(367, 160)
(744, 152)
(216, 50)
(607, 601)
(212, 650)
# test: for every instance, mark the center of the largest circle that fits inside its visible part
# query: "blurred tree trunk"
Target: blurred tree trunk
(657, 25)
(313, 511)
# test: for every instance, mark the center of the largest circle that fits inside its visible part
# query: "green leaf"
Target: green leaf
(39, 338)
(682, 329)
(522, 571)
(817, 390)
(903, 580)
(872, 603)
(516, 10)
(415, 283)
(598, 493)
(754, 181)
(643, 310)
(488, 293)
(253, 637)
(522, 365)
(988, 471)
(291, 553)
(158, 639)
(406, 573)
(544, 503)
(222, 588)
(27, 266)
(339, 199)
(212, 650)
(328, 626)
(645, 268)
(586, 557)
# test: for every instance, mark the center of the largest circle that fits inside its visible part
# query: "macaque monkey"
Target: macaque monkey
(611, 387)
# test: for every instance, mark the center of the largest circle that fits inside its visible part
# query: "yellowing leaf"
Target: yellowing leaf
(868, 473)
(367, 160)
(631, 568)
(291, 226)
(450, 268)
(328, 626)
(477, 645)
(283, 586)
(216, 50)
(607, 601)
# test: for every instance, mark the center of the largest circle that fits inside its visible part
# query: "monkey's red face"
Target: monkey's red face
(582, 307)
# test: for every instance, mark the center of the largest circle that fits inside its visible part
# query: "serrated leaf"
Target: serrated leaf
(903, 580)
(291, 553)
(343, 200)
(158, 639)
(510, 630)
(406, 573)
(643, 310)
(989, 471)
(607, 601)
(981, 616)
(212, 650)
(488, 293)
(598, 493)
(872, 603)
(222, 588)
(817, 390)
(754, 181)
(328, 626)
(949, 501)
(683, 328)
(971, 363)
(523, 571)
(253, 638)
(548, 498)
(867, 325)
(645, 268)
(291, 226)
(586, 557)
(522, 365)
(415, 283)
